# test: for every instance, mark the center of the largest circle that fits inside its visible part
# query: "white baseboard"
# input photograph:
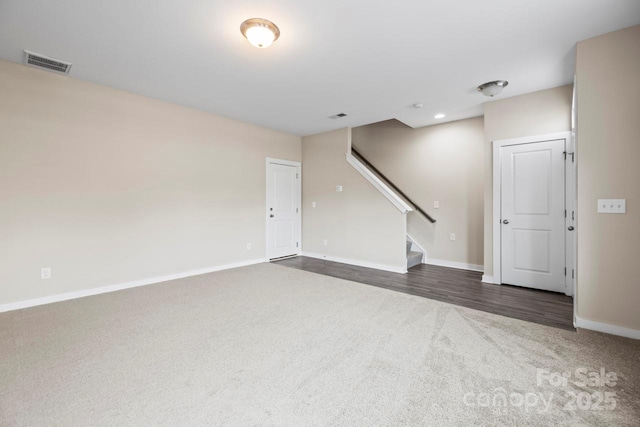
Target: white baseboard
(453, 264)
(487, 279)
(607, 328)
(357, 262)
(112, 288)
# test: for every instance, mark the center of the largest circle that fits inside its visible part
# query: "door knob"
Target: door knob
(506, 221)
(570, 228)
(271, 216)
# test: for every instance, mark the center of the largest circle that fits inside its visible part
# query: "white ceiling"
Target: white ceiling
(371, 59)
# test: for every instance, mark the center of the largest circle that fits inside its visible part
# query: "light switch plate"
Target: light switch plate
(436, 204)
(338, 188)
(612, 206)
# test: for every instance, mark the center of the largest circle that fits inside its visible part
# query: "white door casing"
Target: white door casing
(572, 191)
(534, 248)
(532, 212)
(283, 208)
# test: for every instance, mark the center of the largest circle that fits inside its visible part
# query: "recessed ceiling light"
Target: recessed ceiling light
(439, 116)
(260, 32)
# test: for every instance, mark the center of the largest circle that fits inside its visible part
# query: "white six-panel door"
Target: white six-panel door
(283, 208)
(533, 215)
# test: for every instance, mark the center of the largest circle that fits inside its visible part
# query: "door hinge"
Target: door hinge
(565, 271)
(565, 213)
(296, 244)
(296, 210)
(573, 273)
(571, 154)
(573, 215)
(296, 176)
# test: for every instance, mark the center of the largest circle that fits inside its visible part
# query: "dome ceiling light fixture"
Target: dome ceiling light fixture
(261, 33)
(492, 89)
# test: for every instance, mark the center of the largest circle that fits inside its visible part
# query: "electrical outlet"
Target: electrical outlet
(313, 204)
(248, 246)
(436, 204)
(325, 242)
(338, 188)
(45, 273)
(452, 236)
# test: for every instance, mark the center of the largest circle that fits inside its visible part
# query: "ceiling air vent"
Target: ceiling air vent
(51, 64)
(338, 116)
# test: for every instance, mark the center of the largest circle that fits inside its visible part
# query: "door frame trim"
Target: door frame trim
(570, 200)
(298, 166)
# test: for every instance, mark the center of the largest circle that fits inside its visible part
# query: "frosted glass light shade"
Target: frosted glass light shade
(491, 89)
(260, 36)
(260, 32)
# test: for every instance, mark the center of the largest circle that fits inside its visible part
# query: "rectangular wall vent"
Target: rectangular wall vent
(338, 116)
(42, 61)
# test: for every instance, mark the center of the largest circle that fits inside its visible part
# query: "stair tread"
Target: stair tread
(413, 259)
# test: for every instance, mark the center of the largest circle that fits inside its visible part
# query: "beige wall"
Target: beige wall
(359, 223)
(536, 113)
(107, 187)
(444, 163)
(608, 147)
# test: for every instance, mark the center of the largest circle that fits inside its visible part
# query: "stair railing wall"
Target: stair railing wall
(395, 188)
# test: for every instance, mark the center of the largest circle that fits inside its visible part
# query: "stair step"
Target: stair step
(413, 259)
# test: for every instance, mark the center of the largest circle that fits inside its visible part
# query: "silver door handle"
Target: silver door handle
(506, 221)
(570, 228)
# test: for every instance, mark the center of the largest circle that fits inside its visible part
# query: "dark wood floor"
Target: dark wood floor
(454, 286)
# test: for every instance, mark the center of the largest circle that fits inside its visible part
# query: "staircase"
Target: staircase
(372, 169)
(413, 257)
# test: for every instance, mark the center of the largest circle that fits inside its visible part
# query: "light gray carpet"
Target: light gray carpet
(269, 345)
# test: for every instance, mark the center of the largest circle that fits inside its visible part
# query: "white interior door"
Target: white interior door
(533, 215)
(283, 208)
